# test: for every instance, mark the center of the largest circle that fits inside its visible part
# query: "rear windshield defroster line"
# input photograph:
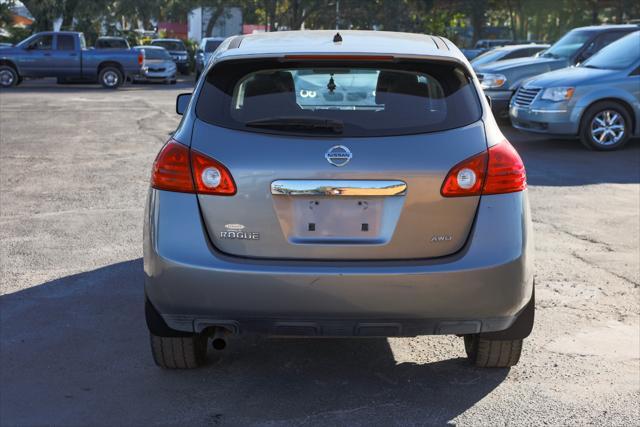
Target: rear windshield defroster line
(366, 98)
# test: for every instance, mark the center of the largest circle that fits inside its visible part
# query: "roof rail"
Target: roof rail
(235, 42)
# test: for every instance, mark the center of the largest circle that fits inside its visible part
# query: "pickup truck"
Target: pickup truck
(64, 55)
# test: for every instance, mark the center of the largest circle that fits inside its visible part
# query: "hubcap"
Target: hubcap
(110, 78)
(607, 128)
(6, 78)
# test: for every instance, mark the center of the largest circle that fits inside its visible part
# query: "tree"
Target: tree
(6, 14)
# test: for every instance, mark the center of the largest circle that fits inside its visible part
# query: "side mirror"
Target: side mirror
(488, 99)
(182, 102)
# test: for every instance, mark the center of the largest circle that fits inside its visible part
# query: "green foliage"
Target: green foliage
(17, 34)
(191, 50)
(521, 19)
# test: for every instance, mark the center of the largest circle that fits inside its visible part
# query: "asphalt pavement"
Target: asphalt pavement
(74, 169)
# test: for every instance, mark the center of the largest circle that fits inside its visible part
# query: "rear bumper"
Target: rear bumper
(482, 288)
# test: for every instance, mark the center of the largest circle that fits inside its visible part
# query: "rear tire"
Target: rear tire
(605, 126)
(486, 353)
(188, 352)
(110, 78)
(8, 76)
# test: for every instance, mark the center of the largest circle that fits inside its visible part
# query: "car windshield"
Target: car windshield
(156, 54)
(619, 55)
(211, 45)
(169, 44)
(567, 45)
(488, 57)
(351, 99)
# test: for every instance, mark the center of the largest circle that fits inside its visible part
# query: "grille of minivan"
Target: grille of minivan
(524, 97)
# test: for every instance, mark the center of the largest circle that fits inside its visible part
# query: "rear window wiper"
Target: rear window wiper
(298, 123)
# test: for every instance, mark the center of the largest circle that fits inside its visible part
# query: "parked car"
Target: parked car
(485, 45)
(205, 51)
(500, 80)
(403, 215)
(64, 55)
(472, 53)
(597, 101)
(508, 52)
(5, 45)
(158, 65)
(177, 50)
(110, 42)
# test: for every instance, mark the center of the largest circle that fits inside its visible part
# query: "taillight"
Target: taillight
(140, 58)
(171, 170)
(466, 178)
(179, 169)
(211, 177)
(496, 171)
(505, 173)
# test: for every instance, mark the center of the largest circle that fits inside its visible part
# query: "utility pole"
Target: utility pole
(337, 14)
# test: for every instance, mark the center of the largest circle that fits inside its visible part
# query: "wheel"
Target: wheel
(110, 77)
(605, 126)
(186, 352)
(486, 353)
(8, 76)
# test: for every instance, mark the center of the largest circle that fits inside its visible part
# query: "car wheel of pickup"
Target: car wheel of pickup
(110, 77)
(605, 126)
(486, 353)
(8, 76)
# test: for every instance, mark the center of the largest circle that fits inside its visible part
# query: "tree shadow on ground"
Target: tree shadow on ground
(48, 85)
(566, 162)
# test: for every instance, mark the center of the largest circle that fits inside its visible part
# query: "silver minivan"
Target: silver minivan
(325, 184)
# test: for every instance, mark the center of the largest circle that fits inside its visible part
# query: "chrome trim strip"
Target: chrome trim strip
(348, 188)
(536, 110)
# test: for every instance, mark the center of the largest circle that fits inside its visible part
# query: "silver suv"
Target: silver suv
(339, 185)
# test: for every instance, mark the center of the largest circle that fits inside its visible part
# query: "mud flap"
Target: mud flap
(156, 324)
(523, 325)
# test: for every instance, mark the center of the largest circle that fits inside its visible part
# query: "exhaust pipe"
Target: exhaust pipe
(219, 341)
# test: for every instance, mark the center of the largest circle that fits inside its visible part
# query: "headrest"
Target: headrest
(398, 82)
(271, 83)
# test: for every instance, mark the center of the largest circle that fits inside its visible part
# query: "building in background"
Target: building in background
(174, 30)
(228, 23)
(253, 28)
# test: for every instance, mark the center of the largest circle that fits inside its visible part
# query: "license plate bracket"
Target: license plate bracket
(326, 218)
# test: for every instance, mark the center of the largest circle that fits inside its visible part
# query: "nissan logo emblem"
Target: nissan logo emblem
(338, 155)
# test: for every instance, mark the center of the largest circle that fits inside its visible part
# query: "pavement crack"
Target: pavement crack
(613, 273)
(582, 237)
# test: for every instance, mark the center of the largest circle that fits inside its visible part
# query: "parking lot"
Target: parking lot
(74, 168)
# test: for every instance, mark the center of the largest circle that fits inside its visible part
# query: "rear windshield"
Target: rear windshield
(338, 99)
(169, 44)
(156, 54)
(112, 44)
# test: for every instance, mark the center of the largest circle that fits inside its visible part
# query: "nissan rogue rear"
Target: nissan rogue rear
(337, 185)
